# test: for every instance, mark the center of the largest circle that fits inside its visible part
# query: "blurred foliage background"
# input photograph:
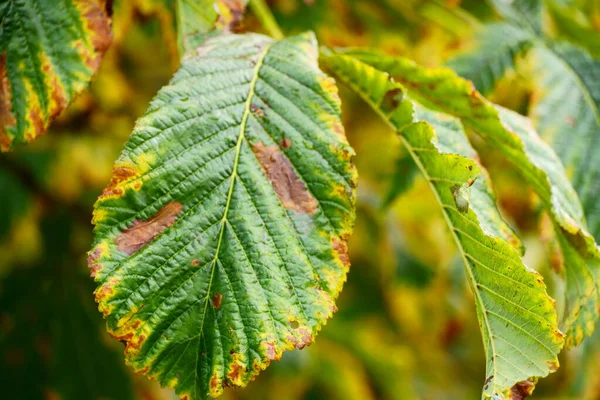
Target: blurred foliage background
(406, 326)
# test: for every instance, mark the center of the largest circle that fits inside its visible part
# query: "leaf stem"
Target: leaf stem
(266, 18)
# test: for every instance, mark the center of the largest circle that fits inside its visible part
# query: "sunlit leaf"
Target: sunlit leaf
(221, 240)
(514, 136)
(517, 317)
(48, 54)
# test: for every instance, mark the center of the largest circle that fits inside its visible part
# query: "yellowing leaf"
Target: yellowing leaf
(516, 316)
(48, 54)
(221, 240)
(514, 136)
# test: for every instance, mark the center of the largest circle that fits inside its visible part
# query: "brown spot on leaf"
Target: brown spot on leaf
(257, 111)
(7, 119)
(195, 263)
(120, 175)
(142, 371)
(338, 129)
(272, 351)
(215, 384)
(235, 373)
(230, 13)
(305, 338)
(143, 232)
(105, 291)
(391, 100)
(132, 344)
(340, 248)
(487, 382)
(92, 261)
(38, 126)
(285, 143)
(216, 300)
(290, 190)
(97, 24)
(553, 365)
(521, 390)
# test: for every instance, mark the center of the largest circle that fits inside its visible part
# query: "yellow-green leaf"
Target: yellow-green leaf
(514, 136)
(517, 317)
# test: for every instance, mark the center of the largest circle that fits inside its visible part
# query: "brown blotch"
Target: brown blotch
(391, 100)
(215, 383)
(338, 129)
(105, 291)
(142, 371)
(7, 119)
(143, 232)
(195, 263)
(257, 111)
(235, 373)
(341, 249)
(305, 339)
(521, 390)
(58, 97)
(272, 351)
(97, 23)
(285, 143)
(132, 344)
(37, 122)
(120, 174)
(553, 365)
(232, 16)
(487, 382)
(216, 300)
(93, 263)
(290, 190)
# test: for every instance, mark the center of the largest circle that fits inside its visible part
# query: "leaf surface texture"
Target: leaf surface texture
(221, 240)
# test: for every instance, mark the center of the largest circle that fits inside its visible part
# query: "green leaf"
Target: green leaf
(498, 45)
(565, 108)
(524, 13)
(514, 136)
(221, 240)
(195, 18)
(48, 54)
(517, 317)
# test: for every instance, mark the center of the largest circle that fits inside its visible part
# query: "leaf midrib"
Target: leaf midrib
(472, 281)
(240, 139)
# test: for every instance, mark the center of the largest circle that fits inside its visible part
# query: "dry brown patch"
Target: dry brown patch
(143, 232)
(291, 191)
